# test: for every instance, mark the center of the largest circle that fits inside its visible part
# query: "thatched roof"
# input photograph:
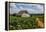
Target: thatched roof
(22, 11)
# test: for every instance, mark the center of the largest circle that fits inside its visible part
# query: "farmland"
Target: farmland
(18, 23)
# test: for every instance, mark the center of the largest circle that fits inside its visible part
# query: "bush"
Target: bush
(16, 23)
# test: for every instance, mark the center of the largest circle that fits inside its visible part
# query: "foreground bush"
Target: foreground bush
(22, 23)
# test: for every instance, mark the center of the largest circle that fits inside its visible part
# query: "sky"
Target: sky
(31, 8)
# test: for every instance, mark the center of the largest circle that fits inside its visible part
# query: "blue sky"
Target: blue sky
(31, 8)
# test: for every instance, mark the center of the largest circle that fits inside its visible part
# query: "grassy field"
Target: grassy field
(16, 23)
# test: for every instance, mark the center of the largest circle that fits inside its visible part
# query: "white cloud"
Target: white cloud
(32, 8)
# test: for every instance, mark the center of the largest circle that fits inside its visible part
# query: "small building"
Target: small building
(24, 13)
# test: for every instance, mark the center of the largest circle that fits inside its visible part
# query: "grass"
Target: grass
(16, 23)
